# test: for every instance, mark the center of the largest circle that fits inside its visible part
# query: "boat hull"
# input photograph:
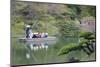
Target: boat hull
(38, 39)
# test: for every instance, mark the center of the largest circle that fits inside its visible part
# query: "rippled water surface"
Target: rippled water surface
(23, 53)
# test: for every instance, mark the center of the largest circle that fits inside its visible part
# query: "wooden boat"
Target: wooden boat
(38, 39)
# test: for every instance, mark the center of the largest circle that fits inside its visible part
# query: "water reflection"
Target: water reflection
(73, 59)
(27, 55)
(39, 52)
(38, 46)
(32, 47)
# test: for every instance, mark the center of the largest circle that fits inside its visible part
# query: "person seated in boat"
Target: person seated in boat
(34, 35)
(39, 35)
(43, 35)
(46, 34)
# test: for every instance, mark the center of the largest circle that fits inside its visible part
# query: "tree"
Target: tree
(86, 39)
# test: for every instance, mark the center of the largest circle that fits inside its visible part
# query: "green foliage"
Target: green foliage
(84, 42)
(51, 18)
(88, 11)
(55, 19)
(67, 28)
(66, 49)
(86, 38)
(85, 34)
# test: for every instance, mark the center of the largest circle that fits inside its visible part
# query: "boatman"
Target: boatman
(28, 31)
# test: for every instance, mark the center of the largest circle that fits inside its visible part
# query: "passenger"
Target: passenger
(34, 35)
(39, 35)
(46, 34)
(42, 35)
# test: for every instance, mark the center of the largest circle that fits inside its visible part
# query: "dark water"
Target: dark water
(23, 53)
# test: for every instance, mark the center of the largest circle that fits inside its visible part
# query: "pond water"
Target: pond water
(23, 53)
